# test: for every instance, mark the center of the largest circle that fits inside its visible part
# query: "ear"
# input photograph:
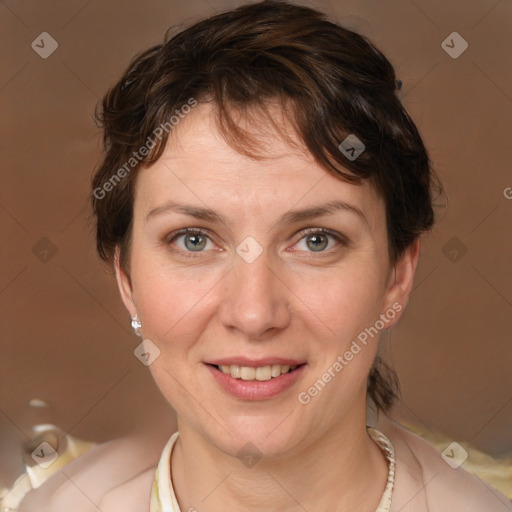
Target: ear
(124, 284)
(401, 280)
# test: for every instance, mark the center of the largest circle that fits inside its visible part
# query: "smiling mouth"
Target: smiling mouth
(259, 373)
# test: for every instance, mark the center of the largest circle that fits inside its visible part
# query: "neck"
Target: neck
(342, 470)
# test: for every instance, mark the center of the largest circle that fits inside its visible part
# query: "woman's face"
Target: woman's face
(290, 267)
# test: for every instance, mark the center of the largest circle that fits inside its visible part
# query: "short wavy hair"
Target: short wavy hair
(330, 82)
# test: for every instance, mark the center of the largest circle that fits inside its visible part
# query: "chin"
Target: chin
(257, 436)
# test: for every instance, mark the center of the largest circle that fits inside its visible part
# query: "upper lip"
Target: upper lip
(245, 361)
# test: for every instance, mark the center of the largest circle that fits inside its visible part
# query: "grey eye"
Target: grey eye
(317, 242)
(195, 242)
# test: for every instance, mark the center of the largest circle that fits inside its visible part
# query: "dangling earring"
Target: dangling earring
(136, 325)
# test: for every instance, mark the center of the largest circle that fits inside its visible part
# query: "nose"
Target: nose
(255, 301)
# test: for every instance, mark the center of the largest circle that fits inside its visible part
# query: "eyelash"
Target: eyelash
(341, 239)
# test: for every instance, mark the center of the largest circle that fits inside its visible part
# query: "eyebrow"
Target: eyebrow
(291, 217)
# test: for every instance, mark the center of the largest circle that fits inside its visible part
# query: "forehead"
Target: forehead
(198, 161)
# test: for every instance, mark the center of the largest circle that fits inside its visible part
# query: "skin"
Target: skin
(317, 456)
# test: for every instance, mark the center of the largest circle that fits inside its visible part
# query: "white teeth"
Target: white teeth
(276, 370)
(251, 373)
(247, 373)
(235, 371)
(263, 373)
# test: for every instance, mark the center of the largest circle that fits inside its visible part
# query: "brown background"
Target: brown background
(65, 337)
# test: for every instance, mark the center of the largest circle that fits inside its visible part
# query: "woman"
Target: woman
(261, 201)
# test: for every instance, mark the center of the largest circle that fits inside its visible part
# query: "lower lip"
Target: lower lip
(255, 389)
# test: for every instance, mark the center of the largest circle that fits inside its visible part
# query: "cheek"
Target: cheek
(168, 304)
(174, 304)
(347, 300)
(349, 305)
(175, 308)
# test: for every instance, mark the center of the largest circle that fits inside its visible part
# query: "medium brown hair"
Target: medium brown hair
(330, 83)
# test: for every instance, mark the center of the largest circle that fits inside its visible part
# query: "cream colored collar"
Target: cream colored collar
(163, 498)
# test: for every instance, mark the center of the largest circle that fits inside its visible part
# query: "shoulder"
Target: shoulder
(113, 476)
(424, 482)
(133, 495)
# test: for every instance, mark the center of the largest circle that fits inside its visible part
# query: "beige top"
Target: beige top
(163, 498)
(118, 476)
